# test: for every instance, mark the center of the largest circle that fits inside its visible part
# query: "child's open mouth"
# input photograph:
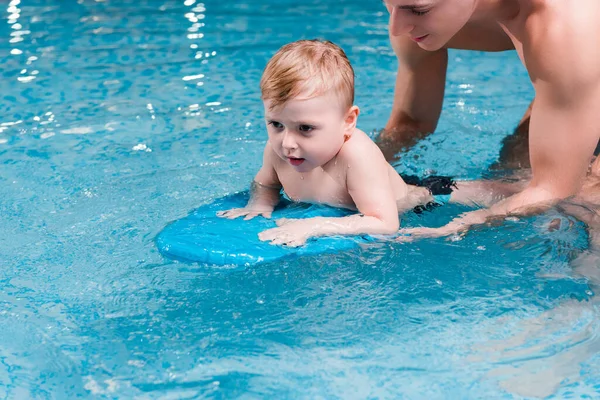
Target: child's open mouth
(296, 161)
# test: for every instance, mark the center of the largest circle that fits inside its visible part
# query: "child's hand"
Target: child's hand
(289, 232)
(246, 212)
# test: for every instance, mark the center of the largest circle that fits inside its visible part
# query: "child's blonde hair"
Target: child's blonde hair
(308, 67)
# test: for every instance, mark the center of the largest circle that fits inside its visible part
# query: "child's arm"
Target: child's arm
(369, 186)
(264, 192)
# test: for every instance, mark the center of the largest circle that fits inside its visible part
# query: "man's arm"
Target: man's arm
(418, 95)
(564, 127)
(563, 137)
(514, 153)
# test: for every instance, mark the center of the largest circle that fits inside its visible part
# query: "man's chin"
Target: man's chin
(431, 45)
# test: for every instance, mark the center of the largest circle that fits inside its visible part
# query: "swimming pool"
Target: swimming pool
(118, 117)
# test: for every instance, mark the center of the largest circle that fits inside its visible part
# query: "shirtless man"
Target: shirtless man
(556, 41)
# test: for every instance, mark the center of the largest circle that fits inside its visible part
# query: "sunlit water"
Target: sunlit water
(118, 117)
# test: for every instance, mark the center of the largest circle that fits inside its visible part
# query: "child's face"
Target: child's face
(308, 133)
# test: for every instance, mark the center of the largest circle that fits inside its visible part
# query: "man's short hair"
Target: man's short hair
(308, 67)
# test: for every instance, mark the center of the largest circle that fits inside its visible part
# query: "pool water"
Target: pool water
(119, 116)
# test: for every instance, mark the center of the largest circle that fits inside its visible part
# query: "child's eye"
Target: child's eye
(276, 125)
(306, 128)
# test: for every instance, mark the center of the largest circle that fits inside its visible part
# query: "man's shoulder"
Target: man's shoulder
(561, 13)
(555, 34)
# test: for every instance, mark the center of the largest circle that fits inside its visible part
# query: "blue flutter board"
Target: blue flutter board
(204, 237)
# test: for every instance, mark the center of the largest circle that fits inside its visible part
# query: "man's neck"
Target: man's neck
(496, 10)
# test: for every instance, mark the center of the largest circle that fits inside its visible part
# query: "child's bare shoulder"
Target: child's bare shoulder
(360, 148)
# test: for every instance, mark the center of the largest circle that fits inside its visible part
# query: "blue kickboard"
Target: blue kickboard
(204, 237)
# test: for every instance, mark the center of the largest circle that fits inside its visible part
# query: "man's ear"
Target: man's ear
(351, 119)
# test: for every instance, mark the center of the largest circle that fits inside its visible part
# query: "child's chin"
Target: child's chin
(304, 167)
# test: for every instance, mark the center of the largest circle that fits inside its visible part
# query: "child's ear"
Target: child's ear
(351, 118)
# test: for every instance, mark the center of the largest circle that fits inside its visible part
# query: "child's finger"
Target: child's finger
(269, 234)
(267, 214)
(233, 213)
(280, 238)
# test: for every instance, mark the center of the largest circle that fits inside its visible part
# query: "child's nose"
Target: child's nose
(288, 141)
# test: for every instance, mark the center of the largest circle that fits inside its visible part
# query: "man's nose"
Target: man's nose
(399, 22)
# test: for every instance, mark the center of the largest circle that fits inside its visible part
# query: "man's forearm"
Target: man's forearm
(401, 124)
(418, 99)
(396, 138)
(532, 200)
(407, 132)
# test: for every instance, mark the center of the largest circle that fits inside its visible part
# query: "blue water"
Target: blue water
(119, 116)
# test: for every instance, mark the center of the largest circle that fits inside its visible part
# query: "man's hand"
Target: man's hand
(458, 226)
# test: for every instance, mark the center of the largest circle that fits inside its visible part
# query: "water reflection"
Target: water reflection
(16, 36)
(142, 143)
